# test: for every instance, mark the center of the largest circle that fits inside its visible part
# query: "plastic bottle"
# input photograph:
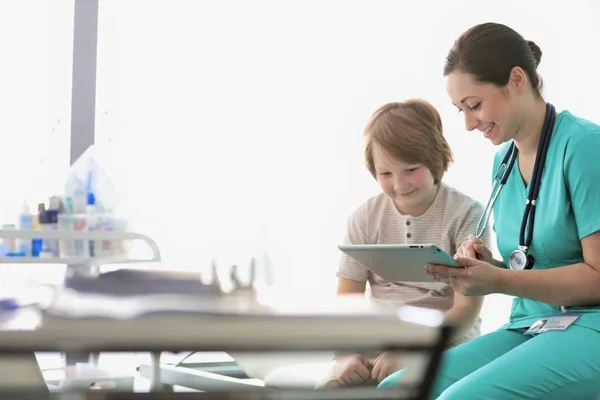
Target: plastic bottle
(10, 243)
(49, 221)
(79, 202)
(26, 224)
(90, 210)
(36, 244)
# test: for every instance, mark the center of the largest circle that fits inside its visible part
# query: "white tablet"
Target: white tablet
(399, 262)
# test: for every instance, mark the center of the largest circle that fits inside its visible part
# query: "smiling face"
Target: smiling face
(410, 186)
(487, 108)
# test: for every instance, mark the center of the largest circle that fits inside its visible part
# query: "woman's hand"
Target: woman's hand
(476, 278)
(472, 247)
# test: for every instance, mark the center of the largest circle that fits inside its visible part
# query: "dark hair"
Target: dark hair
(490, 51)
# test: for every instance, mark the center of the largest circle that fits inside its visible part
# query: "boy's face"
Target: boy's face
(410, 186)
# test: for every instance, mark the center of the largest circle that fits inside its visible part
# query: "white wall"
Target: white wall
(236, 126)
(35, 99)
(36, 38)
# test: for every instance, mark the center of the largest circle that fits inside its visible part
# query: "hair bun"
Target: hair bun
(537, 52)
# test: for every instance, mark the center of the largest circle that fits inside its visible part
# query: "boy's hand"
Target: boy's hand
(352, 369)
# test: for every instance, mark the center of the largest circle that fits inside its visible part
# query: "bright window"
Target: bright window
(36, 37)
(236, 126)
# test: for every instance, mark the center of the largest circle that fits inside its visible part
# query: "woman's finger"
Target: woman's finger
(466, 262)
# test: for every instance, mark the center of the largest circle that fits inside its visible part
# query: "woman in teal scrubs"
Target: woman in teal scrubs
(492, 79)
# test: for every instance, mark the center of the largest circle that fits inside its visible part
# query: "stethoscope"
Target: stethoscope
(520, 259)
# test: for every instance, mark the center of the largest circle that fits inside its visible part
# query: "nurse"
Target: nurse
(547, 223)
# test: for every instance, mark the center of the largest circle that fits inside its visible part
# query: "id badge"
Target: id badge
(555, 323)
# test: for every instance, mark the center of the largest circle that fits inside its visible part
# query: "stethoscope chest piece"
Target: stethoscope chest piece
(519, 259)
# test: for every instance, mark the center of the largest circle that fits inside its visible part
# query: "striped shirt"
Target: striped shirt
(452, 217)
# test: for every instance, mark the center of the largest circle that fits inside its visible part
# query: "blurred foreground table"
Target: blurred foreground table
(236, 322)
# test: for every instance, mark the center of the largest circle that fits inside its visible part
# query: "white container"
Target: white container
(73, 247)
(109, 223)
(91, 222)
(49, 246)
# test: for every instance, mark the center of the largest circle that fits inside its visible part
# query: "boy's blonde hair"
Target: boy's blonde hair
(410, 131)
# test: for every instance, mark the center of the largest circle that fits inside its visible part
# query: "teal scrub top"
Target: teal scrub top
(568, 209)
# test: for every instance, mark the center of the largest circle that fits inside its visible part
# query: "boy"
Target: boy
(407, 154)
